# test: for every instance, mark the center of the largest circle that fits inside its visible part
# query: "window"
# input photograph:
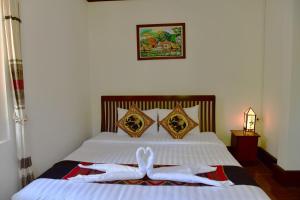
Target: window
(4, 116)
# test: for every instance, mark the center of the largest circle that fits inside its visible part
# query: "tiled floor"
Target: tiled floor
(275, 190)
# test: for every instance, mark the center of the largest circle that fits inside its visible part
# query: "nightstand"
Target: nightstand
(244, 146)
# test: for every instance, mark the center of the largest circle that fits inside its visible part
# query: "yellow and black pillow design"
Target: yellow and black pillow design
(178, 123)
(135, 122)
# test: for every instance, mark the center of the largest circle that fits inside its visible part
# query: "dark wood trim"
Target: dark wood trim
(266, 157)
(286, 177)
(109, 106)
(156, 25)
(214, 113)
(160, 98)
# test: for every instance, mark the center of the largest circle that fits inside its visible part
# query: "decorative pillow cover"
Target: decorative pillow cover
(178, 123)
(192, 112)
(135, 122)
(152, 130)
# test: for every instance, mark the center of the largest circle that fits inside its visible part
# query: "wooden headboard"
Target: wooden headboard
(109, 105)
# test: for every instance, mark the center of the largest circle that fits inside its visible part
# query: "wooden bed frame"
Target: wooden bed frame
(109, 105)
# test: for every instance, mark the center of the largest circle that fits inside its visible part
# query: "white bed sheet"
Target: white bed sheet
(204, 148)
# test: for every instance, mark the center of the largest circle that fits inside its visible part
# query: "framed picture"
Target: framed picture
(160, 41)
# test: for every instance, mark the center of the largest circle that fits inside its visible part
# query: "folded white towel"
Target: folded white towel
(181, 173)
(114, 171)
(145, 159)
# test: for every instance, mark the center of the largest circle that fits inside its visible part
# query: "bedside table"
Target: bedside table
(244, 146)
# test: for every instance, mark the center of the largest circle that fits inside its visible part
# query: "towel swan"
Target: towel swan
(145, 159)
(181, 173)
(115, 171)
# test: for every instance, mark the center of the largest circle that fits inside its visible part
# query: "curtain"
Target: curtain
(12, 21)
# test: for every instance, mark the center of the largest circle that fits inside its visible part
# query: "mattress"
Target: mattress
(204, 148)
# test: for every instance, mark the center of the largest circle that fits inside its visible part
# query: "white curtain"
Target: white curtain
(12, 41)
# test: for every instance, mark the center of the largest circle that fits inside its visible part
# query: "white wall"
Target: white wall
(9, 162)
(54, 35)
(224, 54)
(9, 180)
(294, 137)
(56, 73)
(8, 167)
(281, 82)
(288, 156)
(276, 78)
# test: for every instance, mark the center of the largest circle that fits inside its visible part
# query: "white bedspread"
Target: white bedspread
(204, 148)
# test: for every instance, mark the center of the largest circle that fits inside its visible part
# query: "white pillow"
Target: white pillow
(192, 112)
(152, 130)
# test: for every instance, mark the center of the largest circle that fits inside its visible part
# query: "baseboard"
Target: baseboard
(285, 177)
(266, 157)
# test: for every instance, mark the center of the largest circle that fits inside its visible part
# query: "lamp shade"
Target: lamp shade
(249, 120)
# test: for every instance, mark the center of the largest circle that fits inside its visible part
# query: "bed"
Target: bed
(108, 147)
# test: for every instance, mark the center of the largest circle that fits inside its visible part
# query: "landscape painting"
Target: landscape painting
(161, 41)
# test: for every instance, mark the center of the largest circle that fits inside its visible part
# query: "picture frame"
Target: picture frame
(161, 41)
